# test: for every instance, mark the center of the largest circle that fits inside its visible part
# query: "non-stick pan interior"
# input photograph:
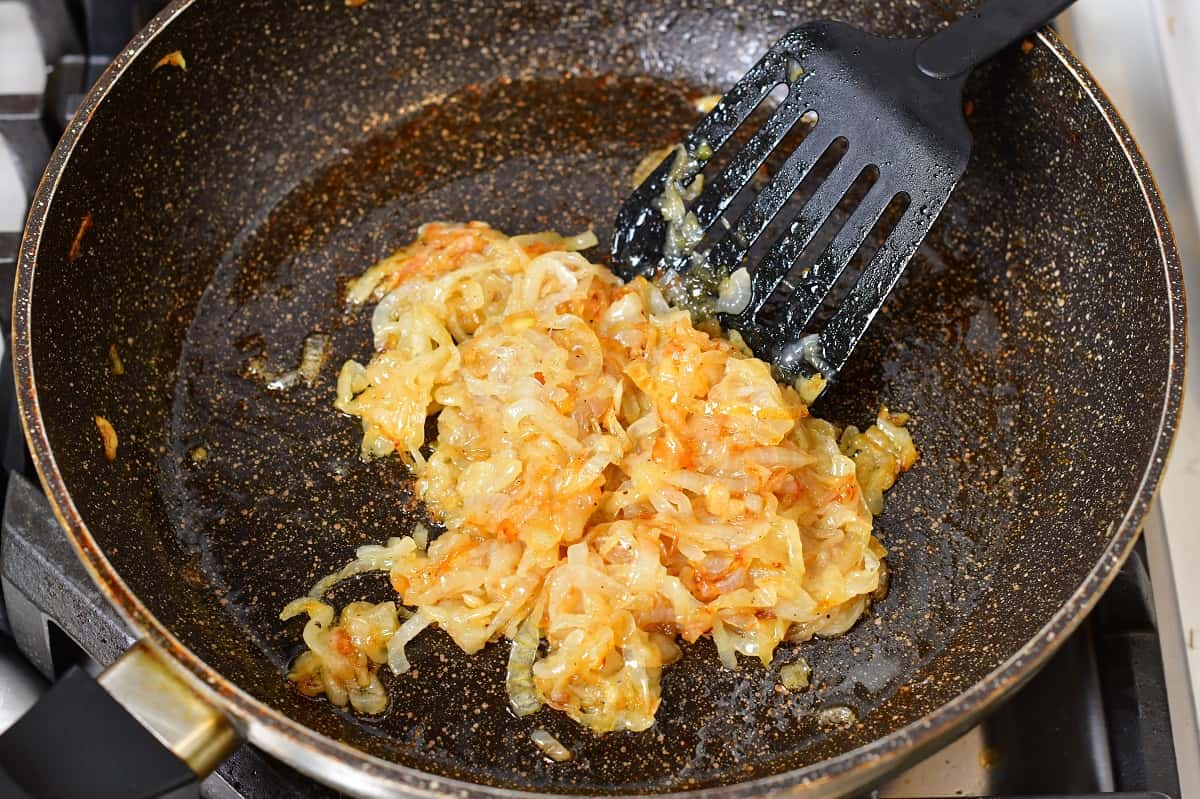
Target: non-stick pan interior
(231, 201)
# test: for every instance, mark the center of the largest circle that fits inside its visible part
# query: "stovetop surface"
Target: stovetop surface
(1095, 720)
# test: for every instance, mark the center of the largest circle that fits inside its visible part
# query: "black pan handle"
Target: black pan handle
(978, 35)
(138, 731)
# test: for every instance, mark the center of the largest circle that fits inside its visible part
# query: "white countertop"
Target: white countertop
(21, 72)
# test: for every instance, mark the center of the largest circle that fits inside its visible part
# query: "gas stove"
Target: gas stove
(1097, 720)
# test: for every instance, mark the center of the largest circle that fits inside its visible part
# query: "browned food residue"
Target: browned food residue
(1027, 46)
(356, 3)
(172, 59)
(77, 245)
(114, 360)
(108, 436)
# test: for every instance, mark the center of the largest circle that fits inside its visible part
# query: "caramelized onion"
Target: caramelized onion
(550, 746)
(609, 478)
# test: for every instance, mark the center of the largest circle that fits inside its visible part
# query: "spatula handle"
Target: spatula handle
(978, 35)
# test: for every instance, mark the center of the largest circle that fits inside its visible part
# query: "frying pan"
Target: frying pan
(1037, 341)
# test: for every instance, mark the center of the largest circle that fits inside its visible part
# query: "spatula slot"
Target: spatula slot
(787, 219)
(777, 95)
(745, 164)
(875, 240)
(775, 307)
(774, 195)
(762, 113)
(815, 272)
(799, 218)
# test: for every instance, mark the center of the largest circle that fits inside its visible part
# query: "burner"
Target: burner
(1095, 720)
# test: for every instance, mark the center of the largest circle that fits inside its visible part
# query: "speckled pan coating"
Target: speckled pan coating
(1037, 340)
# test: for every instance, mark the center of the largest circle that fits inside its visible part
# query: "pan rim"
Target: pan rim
(339, 764)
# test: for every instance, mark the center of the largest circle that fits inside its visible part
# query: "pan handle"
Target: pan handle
(138, 730)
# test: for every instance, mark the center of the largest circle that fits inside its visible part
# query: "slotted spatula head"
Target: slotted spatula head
(885, 113)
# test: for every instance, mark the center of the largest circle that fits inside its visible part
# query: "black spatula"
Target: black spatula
(888, 114)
